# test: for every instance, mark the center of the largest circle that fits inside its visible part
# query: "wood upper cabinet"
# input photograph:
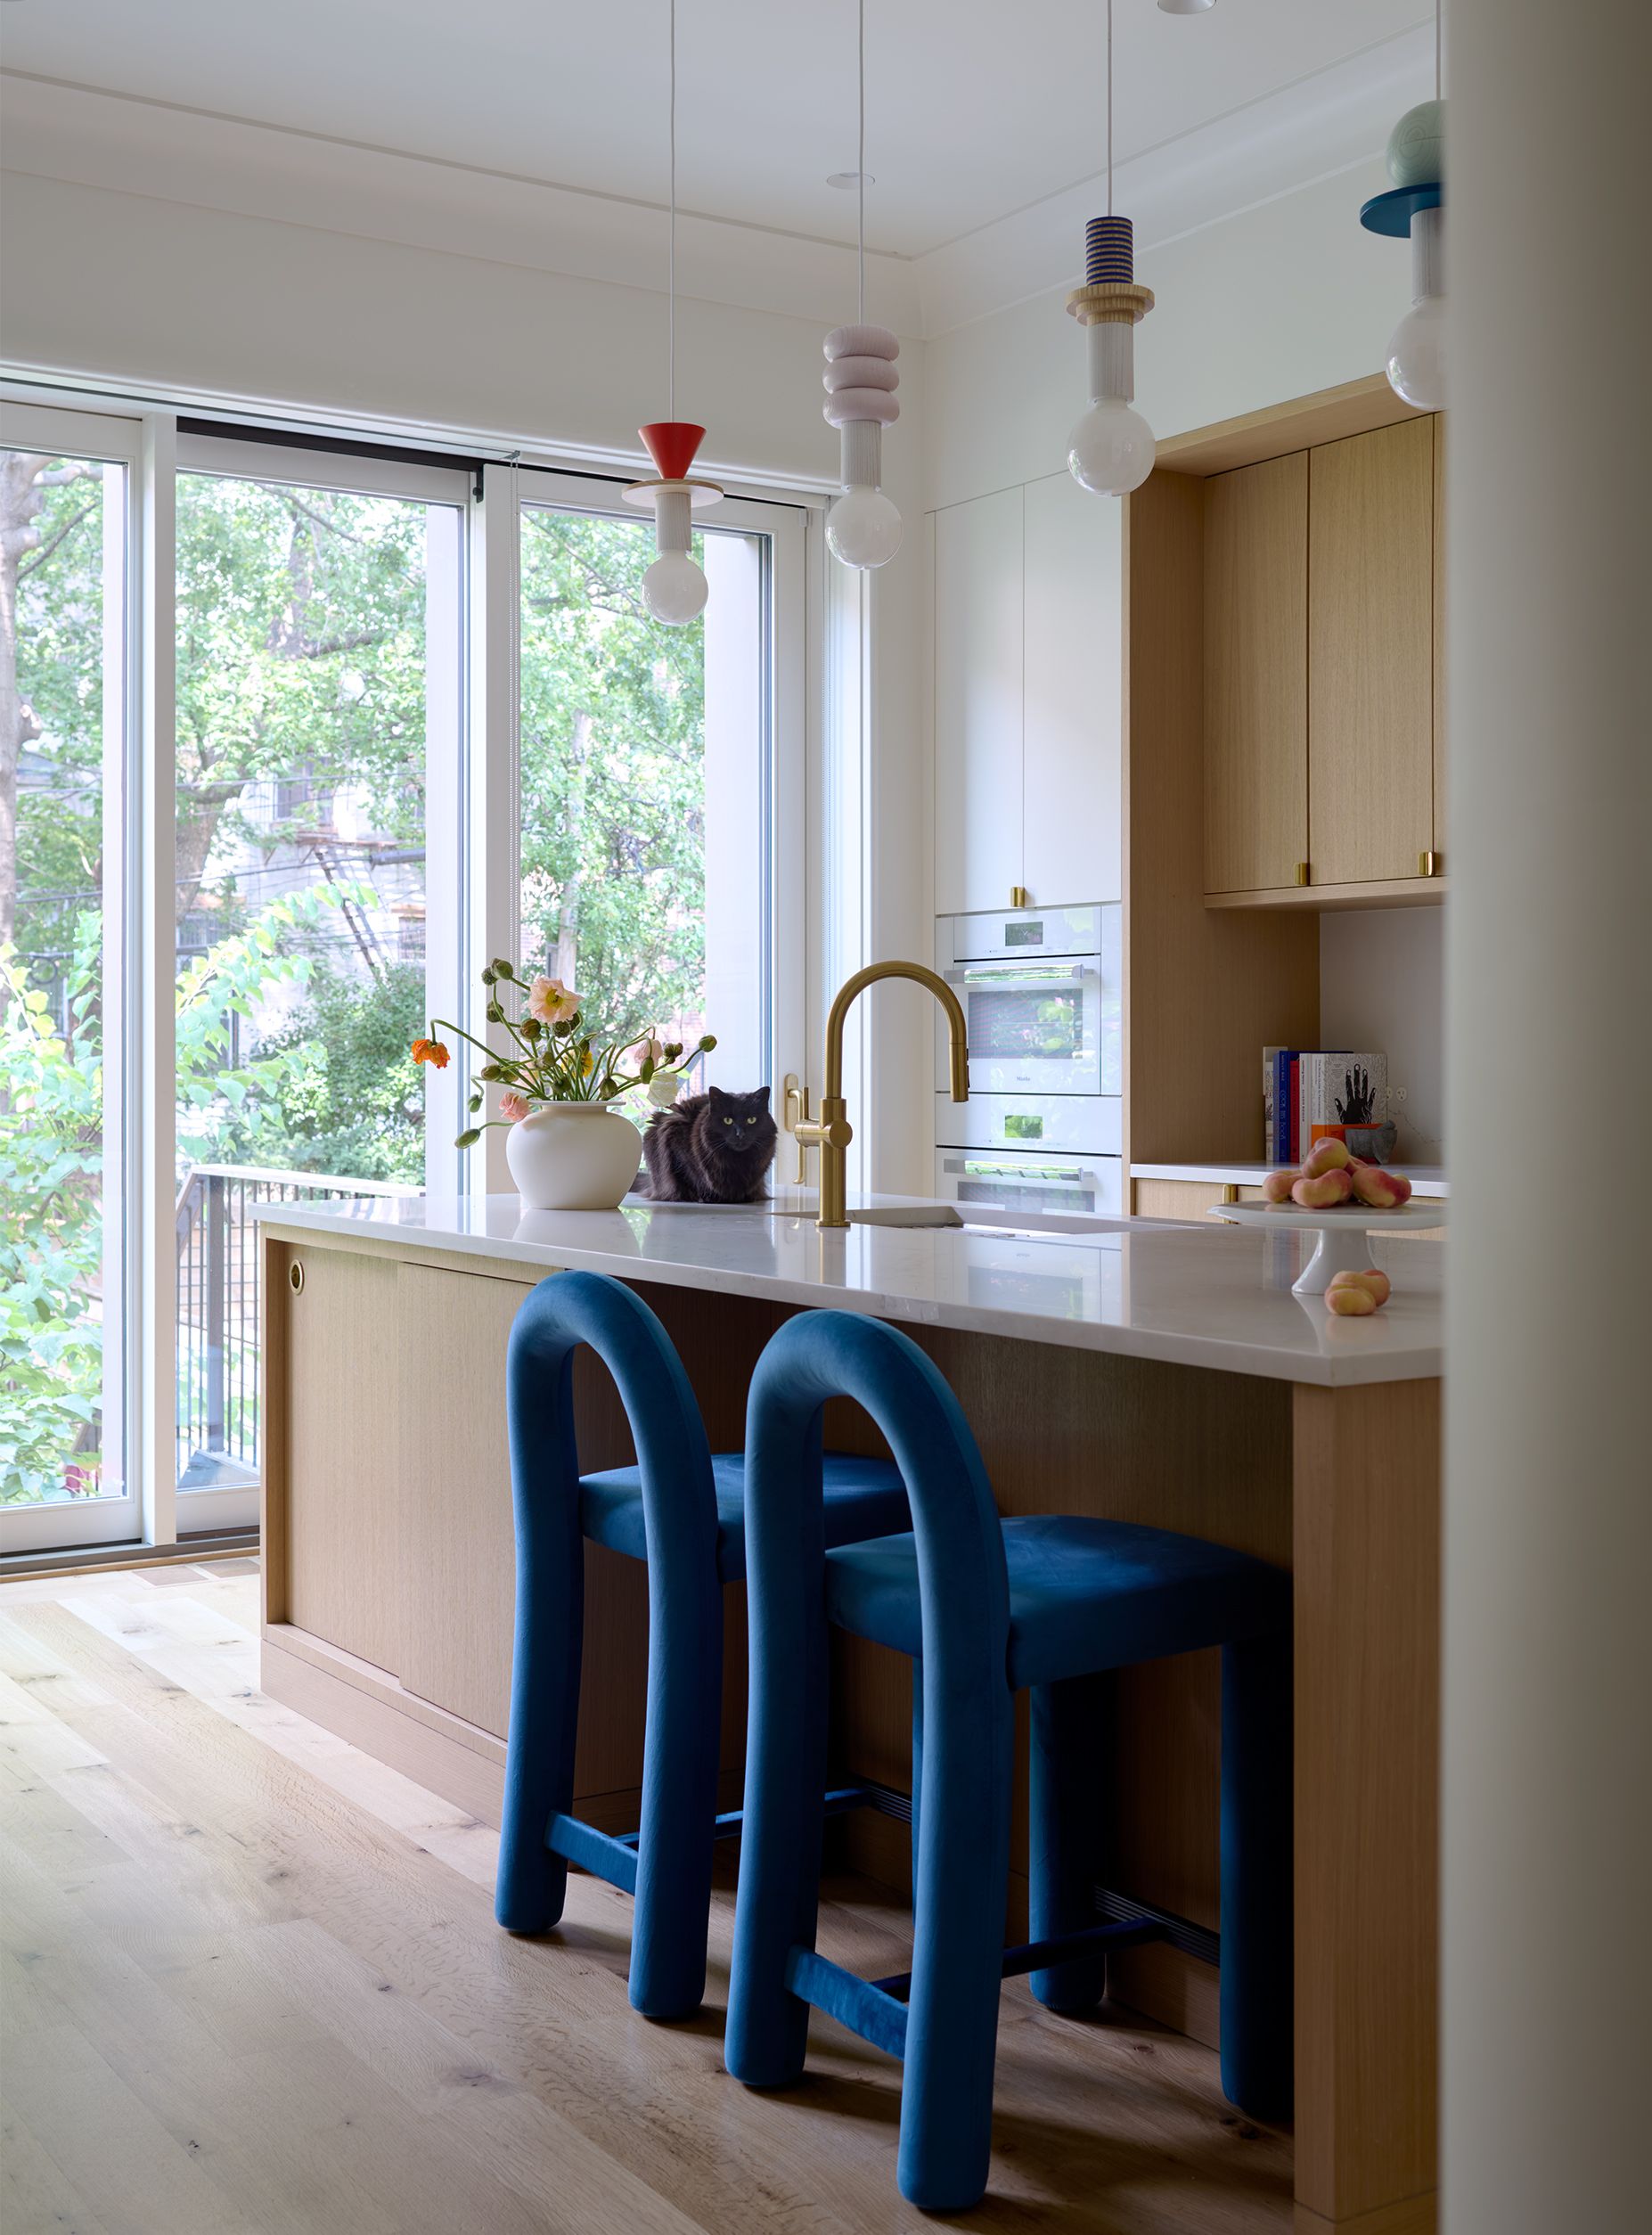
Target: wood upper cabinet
(1438, 423)
(978, 659)
(1256, 675)
(1370, 655)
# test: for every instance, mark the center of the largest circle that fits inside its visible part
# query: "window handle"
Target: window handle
(796, 1107)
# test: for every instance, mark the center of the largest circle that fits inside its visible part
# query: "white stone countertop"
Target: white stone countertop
(1200, 1295)
(1426, 1179)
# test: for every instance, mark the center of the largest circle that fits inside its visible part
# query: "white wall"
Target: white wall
(1276, 302)
(1382, 979)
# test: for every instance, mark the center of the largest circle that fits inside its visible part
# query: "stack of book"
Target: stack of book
(1308, 1093)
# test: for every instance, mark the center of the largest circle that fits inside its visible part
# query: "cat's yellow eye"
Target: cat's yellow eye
(728, 1121)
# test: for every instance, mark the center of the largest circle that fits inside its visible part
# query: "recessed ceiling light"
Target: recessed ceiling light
(1186, 7)
(849, 179)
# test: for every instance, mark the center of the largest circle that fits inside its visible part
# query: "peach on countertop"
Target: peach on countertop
(1329, 1155)
(1324, 1191)
(1350, 1299)
(1376, 1282)
(1276, 1187)
(1379, 1189)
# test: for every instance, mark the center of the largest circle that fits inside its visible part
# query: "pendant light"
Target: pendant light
(864, 525)
(1111, 449)
(674, 588)
(1416, 365)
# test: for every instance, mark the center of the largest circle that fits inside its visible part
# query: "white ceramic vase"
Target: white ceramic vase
(573, 1155)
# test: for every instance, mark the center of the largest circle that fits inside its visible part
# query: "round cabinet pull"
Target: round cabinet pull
(295, 1277)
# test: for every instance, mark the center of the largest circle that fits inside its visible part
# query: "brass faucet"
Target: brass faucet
(831, 1133)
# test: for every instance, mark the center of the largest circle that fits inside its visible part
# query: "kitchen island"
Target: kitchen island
(1149, 1373)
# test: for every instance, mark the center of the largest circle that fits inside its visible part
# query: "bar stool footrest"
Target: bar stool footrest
(860, 2005)
(594, 1851)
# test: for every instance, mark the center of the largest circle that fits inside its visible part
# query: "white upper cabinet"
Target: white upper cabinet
(978, 702)
(1072, 696)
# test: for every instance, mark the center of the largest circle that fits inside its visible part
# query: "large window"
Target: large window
(63, 701)
(292, 741)
(652, 769)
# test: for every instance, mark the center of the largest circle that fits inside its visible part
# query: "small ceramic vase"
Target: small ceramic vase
(573, 1155)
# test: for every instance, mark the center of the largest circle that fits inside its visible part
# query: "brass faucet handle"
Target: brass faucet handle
(795, 1114)
(828, 1133)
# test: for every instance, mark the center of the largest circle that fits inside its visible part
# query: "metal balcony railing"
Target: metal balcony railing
(218, 1309)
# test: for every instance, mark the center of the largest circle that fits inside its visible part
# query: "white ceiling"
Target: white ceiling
(975, 108)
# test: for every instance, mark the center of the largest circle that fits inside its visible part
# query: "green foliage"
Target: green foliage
(350, 1098)
(613, 774)
(50, 1236)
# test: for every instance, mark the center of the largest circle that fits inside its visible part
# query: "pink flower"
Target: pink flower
(649, 1050)
(552, 1002)
(512, 1106)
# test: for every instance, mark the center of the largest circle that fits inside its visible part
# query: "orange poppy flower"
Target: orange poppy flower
(430, 1052)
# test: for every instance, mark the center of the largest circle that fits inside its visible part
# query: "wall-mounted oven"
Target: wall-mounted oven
(1041, 990)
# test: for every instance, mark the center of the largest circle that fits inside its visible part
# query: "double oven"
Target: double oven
(1043, 1128)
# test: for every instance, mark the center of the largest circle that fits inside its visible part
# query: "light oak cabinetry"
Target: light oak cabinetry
(1323, 730)
(1370, 656)
(1256, 675)
(1028, 706)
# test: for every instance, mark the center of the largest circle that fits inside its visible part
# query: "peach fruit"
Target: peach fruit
(1376, 1282)
(1381, 1190)
(1329, 1155)
(1276, 1187)
(1350, 1299)
(1323, 1192)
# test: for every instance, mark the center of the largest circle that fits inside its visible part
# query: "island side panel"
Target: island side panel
(1076, 1431)
(1367, 1576)
(440, 1579)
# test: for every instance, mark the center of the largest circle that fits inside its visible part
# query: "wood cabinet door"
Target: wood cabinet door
(1256, 675)
(1370, 654)
(1441, 865)
(978, 702)
(1073, 701)
(342, 1399)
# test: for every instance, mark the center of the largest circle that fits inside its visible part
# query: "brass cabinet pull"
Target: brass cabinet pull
(1302, 873)
(1018, 896)
(295, 1276)
(1428, 864)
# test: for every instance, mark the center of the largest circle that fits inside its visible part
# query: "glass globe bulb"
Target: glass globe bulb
(1111, 449)
(1416, 354)
(864, 529)
(674, 590)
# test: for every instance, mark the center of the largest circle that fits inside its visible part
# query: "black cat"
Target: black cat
(711, 1148)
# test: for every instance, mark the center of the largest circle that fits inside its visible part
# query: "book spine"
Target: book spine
(1294, 1107)
(1281, 1107)
(1269, 1058)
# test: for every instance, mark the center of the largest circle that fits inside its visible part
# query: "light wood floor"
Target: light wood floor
(252, 1983)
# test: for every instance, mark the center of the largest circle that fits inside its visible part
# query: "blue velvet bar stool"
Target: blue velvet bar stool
(985, 1607)
(681, 1511)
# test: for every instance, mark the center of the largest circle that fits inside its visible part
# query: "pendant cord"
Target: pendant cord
(671, 283)
(1439, 13)
(1109, 107)
(860, 171)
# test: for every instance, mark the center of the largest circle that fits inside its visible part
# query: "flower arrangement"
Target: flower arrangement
(553, 1059)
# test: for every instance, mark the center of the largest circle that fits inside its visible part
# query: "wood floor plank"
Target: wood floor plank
(294, 1993)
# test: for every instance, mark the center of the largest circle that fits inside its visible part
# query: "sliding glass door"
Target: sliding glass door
(64, 946)
(319, 635)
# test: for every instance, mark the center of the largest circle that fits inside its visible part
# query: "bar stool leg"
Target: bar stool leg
(1067, 1828)
(679, 1789)
(767, 2038)
(917, 1768)
(532, 1883)
(1256, 1891)
(958, 1907)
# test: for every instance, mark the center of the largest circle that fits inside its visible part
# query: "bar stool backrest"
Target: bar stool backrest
(680, 1514)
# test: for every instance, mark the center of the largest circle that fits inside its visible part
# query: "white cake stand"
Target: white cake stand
(1340, 1234)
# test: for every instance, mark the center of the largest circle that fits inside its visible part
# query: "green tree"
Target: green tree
(613, 775)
